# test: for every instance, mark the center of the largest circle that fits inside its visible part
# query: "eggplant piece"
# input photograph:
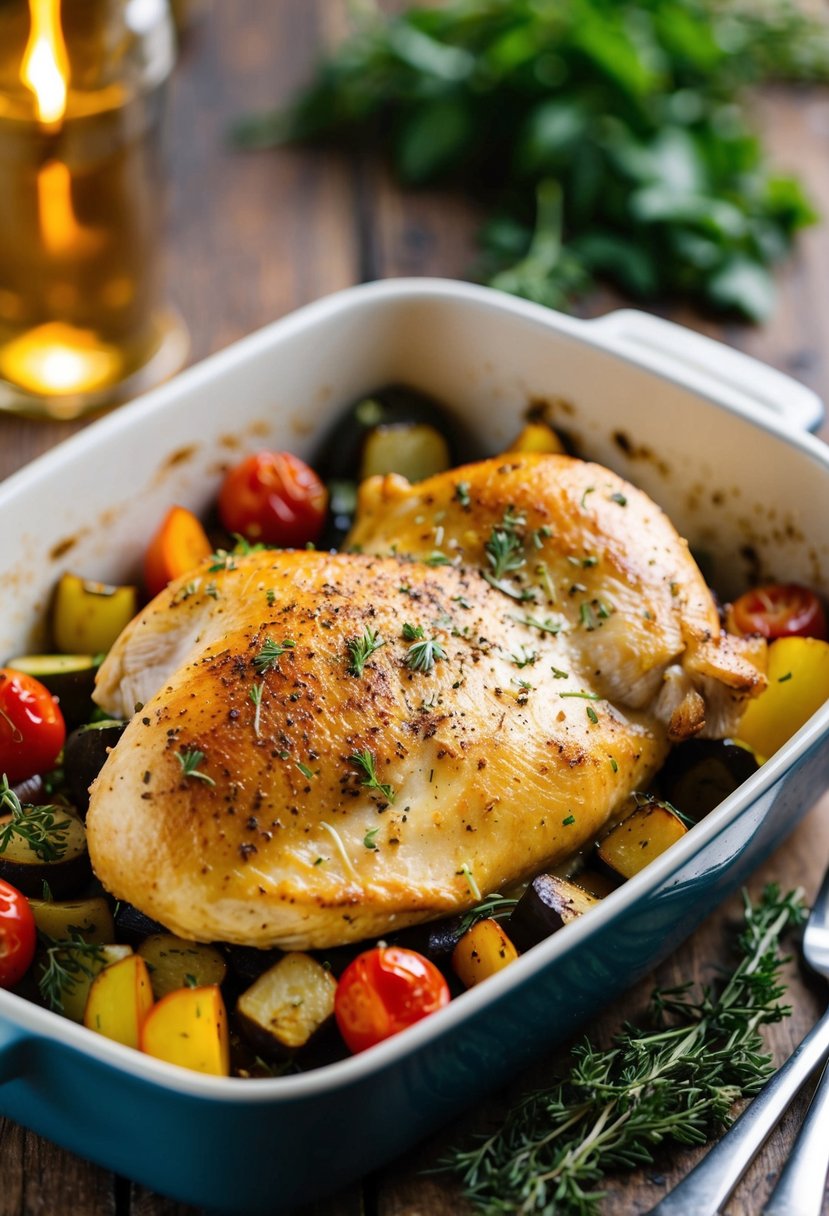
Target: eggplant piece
(69, 677)
(133, 926)
(175, 963)
(87, 616)
(639, 838)
(548, 904)
(288, 1006)
(47, 844)
(61, 920)
(84, 753)
(483, 951)
(700, 773)
(247, 963)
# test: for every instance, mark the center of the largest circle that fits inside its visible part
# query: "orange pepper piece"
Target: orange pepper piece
(178, 545)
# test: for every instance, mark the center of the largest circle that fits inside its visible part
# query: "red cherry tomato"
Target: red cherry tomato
(780, 610)
(275, 498)
(18, 935)
(32, 729)
(383, 991)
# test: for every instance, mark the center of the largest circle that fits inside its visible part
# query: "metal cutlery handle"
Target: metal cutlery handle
(707, 1187)
(802, 1182)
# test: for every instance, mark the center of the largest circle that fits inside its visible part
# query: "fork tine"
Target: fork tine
(802, 1182)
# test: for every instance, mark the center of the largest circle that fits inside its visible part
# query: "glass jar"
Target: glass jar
(82, 320)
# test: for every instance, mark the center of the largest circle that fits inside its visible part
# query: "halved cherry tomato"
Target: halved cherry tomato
(178, 545)
(779, 610)
(32, 730)
(383, 991)
(275, 498)
(18, 935)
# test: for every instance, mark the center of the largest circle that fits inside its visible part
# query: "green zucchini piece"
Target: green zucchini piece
(69, 677)
(47, 845)
(175, 963)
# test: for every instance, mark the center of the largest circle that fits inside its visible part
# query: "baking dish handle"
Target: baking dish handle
(12, 1051)
(672, 348)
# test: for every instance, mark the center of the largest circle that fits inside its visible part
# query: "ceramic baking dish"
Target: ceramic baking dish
(716, 438)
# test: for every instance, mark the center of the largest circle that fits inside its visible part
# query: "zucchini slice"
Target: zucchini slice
(548, 904)
(69, 677)
(175, 963)
(47, 845)
(288, 1005)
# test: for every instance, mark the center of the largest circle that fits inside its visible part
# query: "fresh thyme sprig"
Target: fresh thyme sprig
(39, 826)
(361, 649)
(268, 657)
(494, 907)
(190, 762)
(365, 761)
(676, 1082)
(64, 964)
(423, 652)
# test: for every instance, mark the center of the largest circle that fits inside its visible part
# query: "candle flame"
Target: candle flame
(45, 67)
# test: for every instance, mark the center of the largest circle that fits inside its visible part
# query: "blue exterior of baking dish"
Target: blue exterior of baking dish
(267, 1146)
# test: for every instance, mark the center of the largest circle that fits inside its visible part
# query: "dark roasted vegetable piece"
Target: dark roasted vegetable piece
(699, 774)
(175, 963)
(85, 751)
(69, 677)
(639, 838)
(133, 926)
(288, 1005)
(547, 904)
(63, 863)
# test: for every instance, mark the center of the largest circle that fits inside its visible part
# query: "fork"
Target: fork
(704, 1191)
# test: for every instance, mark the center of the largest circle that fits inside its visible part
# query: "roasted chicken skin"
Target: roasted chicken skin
(330, 747)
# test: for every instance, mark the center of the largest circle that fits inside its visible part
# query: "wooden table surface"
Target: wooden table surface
(253, 236)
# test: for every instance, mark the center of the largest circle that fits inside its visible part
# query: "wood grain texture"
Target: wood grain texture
(252, 236)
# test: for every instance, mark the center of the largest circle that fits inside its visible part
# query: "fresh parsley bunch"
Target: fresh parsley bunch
(608, 138)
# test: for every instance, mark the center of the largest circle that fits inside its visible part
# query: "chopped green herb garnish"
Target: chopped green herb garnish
(370, 838)
(783, 679)
(585, 696)
(361, 649)
(436, 558)
(423, 655)
(304, 769)
(547, 625)
(568, 821)
(619, 498)
(190, 762)
(255, 695)
(270, 654)
(592, 715)
(462, 494)
(589, 490)
(412, 633)
(365, 761)
(558, 674)
(39, 826)
(525, 658)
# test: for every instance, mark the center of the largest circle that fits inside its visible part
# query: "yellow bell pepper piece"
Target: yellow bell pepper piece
(119, 1000)
(537, 437)
(483, 950)
(188, 1027)
(798, 684)
(87, 617)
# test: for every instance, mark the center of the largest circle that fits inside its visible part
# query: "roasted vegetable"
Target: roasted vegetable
(78, 968)
(18, 935)
(87, 747)
(87, 617)
(415, 450)
(70, 678)
(132, 925)
(32, 729)
(548, 903)
(177, 547)
(700, 773)
(189, 1028)
(90, 919)
(537, 437)
(175, 963)
(383, 991)
(44, 844)
(288, 1005)
(484, 950)
(634, 842)
(120, 997)
(798, 684)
